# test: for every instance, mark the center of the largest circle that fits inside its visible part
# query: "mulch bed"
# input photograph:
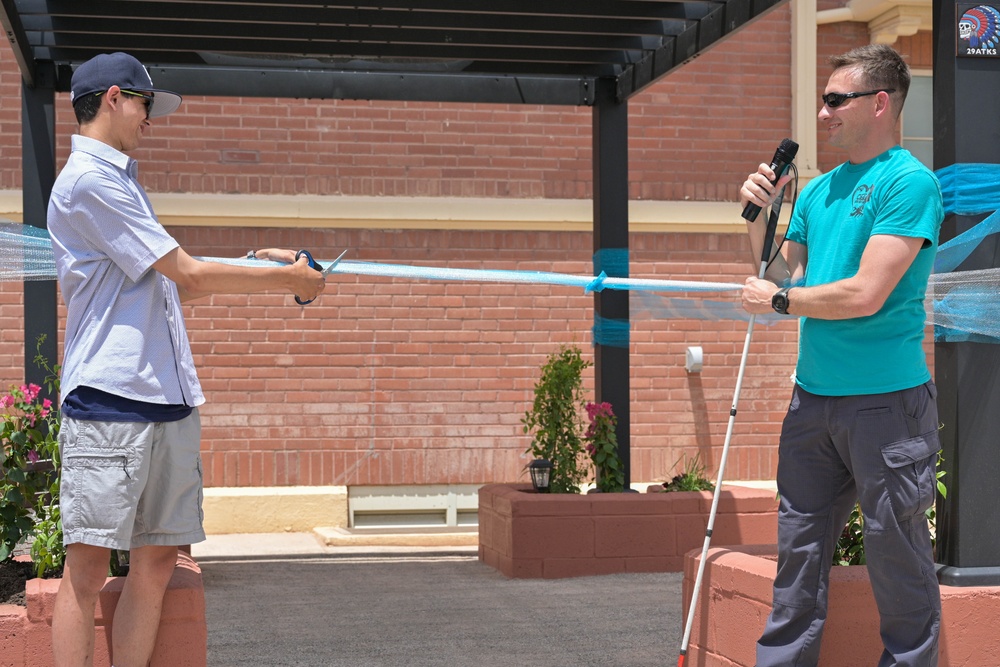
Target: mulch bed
(13, 575)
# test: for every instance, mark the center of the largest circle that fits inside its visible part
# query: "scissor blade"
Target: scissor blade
(334, 263)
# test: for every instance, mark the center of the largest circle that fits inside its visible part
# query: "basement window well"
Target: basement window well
(452, 506)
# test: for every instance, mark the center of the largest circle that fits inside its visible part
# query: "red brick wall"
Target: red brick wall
(388, 381)
(694, 135)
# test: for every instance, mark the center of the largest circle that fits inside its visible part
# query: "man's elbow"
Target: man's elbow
(868, 304)
(192, 283)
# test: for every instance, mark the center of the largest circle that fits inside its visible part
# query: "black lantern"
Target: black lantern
(541, 473)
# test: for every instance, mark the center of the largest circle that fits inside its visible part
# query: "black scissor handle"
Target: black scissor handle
(313, 264)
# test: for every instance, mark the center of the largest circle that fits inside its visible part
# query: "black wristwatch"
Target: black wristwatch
(780, 301)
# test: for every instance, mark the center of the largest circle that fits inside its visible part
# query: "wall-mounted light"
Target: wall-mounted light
(693, 359)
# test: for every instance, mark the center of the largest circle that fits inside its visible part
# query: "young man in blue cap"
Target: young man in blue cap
(130, 435)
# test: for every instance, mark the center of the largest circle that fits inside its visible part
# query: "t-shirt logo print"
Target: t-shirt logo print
(861, 196)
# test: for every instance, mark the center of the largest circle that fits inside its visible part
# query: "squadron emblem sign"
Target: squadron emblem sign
(978, 30)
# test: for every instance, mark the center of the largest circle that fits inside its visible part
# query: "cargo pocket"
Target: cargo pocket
(910, 466)
(97, 477)
(100, 483)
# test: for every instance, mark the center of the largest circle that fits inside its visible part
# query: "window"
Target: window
(918, 119)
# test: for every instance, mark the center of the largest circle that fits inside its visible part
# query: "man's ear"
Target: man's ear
(883, 103)
(113, 96)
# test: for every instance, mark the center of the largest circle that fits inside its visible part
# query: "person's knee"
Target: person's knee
(152, 561)
(86, 569)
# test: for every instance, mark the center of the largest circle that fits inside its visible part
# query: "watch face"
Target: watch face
(779, 302)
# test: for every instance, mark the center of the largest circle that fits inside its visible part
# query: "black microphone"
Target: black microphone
(779, 164)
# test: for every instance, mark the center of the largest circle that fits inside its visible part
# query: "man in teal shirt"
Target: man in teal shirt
(862, 423)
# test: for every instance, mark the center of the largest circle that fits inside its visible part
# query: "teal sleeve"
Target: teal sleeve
(911, 207)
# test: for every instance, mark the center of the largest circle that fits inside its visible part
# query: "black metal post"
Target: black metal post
(38, 160)
(611, 361)
(968, 542)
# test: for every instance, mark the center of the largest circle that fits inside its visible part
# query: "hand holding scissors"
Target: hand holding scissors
(316, 265)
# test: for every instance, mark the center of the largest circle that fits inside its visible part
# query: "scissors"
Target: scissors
(313, 264)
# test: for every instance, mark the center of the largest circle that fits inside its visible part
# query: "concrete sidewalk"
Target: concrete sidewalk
(285, 599)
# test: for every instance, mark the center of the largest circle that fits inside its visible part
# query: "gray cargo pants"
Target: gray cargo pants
(882, 450)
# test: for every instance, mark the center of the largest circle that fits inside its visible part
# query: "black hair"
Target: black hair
(86, 107)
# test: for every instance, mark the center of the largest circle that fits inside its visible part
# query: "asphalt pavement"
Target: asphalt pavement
(281, 600)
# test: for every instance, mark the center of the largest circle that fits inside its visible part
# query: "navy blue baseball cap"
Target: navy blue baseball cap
(122, 70)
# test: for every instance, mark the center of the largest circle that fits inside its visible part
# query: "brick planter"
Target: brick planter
(735, 600)
(26, 632)
(531, 535)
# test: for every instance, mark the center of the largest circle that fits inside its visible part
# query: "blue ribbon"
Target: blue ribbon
(967, 189)
(610, 332)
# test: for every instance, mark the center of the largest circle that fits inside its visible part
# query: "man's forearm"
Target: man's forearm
(777, 271)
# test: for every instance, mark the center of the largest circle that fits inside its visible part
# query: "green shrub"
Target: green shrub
(29, 485)
(555, 419)
(691, 479)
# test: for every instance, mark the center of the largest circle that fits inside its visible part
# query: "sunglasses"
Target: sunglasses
(147, 100)
(834, 100)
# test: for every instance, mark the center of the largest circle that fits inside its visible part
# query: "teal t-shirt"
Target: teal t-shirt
(834, 217)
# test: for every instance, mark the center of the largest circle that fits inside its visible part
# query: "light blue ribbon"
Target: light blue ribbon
(968, 189)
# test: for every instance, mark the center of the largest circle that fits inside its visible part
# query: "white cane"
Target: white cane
(772, 225)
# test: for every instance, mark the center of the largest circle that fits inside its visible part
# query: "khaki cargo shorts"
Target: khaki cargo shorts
(131, 484)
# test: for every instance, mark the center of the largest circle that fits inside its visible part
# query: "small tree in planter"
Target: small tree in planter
(555, 419)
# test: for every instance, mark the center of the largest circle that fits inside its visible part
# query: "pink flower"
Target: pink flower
(595, 410)
(33, 456)
(7, 401)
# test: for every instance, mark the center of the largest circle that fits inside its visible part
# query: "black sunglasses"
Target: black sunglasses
(147, 100)
(834, 100)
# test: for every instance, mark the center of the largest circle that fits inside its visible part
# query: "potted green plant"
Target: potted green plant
(555, 419)
(563, 534)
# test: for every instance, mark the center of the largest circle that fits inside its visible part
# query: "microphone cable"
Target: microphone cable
(775, 210)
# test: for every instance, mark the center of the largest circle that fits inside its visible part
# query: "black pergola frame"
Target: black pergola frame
(596, 53)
